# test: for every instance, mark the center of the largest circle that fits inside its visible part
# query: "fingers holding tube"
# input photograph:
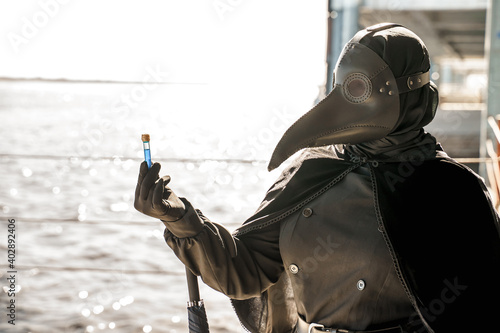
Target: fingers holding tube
(149, 180)
(157, 203)
(143, 170)
(166, 179)
(152, 196)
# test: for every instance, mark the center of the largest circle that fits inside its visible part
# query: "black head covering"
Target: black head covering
(381, 99)
(405, 53)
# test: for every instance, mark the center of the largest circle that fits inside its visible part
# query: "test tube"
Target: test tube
(147, 151)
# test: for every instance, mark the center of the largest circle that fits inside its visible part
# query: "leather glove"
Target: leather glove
(154, 198)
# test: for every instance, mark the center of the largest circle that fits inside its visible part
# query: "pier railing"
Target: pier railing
(493, 165)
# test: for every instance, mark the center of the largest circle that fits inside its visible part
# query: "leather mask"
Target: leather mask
(363, 105)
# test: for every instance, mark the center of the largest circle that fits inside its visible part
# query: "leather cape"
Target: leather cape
(439, 225)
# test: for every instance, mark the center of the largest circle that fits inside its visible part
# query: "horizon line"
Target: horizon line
(103, 81)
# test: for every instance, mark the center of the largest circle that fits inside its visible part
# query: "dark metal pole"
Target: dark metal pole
(193, 288)
(492, 54)
(197, 317)
(342, 25)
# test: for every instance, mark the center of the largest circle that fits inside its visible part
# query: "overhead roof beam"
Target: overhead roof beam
(426, 4)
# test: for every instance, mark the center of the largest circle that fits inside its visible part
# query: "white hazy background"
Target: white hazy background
(234, 74)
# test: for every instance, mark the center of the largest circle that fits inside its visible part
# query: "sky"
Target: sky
(196, 41)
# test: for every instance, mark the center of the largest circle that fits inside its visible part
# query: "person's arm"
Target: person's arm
(238, 267)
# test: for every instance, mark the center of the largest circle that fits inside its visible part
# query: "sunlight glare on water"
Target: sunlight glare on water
(88, 261)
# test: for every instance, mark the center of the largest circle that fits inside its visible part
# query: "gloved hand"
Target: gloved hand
(154, 198)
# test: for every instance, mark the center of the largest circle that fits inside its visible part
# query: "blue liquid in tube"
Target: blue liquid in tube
(147, 151)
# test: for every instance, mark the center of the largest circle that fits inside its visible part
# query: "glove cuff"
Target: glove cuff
(187, 226)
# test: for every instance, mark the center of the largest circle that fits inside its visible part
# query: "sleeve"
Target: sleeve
(240, 267)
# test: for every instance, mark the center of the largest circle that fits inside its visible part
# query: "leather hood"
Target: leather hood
(364, 104)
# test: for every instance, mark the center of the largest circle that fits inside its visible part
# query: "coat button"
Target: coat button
(307, 212)
(294, 269)
(361, 285)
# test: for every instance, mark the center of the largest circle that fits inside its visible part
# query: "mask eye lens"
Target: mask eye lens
(357, 88)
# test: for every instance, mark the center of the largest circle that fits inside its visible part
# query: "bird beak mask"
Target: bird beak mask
(363, 105)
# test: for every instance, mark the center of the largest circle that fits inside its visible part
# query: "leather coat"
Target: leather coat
(435, 216)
